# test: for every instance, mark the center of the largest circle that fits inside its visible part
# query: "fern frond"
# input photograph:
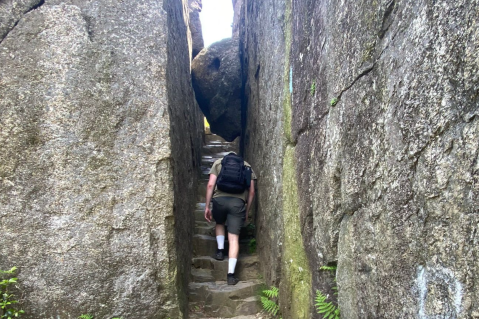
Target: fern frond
(329, 268)
(271, 293)
(269, 306)
(327, 309)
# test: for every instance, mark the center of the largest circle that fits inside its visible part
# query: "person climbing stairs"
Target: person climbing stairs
(209, 294)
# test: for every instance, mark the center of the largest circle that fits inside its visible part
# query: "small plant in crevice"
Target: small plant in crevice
(7, 299)
(252, 246)
(324, 305)
(269, 300)
(250, 229)
(334, 101)
(312, 89)
(88, 316)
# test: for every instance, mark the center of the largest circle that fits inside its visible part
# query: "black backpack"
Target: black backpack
(233, 175)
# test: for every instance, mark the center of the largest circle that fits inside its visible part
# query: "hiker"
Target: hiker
(231, 185)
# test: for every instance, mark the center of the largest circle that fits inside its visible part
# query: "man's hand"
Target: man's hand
(208, 214)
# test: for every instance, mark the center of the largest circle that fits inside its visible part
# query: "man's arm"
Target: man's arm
(250, 198)
(209, 193)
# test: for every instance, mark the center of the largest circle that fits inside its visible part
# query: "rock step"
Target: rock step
(200, 215)
(204, 245)
(209, 269)
(202, 275)
(208, 230)
(218, 299)
(202, 227)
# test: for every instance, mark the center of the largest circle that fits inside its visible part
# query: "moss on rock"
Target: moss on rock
(296, 276)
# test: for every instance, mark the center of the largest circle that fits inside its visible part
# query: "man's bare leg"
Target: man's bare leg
(233, 241)
(220, 240)
(220, 230)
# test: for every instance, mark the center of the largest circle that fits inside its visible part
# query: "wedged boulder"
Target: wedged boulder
(216, 73)
(197, 42)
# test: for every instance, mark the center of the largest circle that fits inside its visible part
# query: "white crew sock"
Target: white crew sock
(221, 242)
(231, 265)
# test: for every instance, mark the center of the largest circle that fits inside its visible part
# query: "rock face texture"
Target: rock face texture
(237, 9)
(374, 106)
(98, 158)
(216, 74)
(11, 11)
(198, 44)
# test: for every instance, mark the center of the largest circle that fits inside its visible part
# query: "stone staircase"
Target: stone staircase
(209, 295)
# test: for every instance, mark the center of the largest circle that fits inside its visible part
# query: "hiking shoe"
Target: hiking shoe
(231, 279)
(220, 254)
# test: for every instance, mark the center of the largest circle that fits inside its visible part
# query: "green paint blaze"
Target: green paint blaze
(295, 268)
(287, 74)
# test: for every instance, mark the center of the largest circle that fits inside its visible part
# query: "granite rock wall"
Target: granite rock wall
(194, 9)
(379, 103)
(98, 142)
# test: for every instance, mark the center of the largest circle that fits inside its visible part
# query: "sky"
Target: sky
(216, 20)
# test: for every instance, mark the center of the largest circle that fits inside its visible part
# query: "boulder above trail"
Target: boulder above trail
(216, 75)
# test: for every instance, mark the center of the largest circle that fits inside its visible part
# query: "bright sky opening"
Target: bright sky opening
(216, 20)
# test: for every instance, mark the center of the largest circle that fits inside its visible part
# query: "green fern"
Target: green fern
(327, 309)
(269, 305)
(87, 316)
(268, 300)
(271, 293)
(329, 268)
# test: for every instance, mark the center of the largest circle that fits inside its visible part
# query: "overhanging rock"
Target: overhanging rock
(216, 73)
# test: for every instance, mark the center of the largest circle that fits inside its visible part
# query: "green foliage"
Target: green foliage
(327, 309)
(268, 300)
(250, 229)
(7, 299)
(88, 316)
(312, 89)
(271, 293)
(252, 246)
(334, 101)
(329, 268)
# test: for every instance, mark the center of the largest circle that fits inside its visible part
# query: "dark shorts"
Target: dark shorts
(231, 210)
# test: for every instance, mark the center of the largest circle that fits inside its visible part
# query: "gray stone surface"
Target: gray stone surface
(216, 73)
(388, 177)
(264, 68)
(98, 158)
(238, 6)
(11, 11)
(198, 44)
